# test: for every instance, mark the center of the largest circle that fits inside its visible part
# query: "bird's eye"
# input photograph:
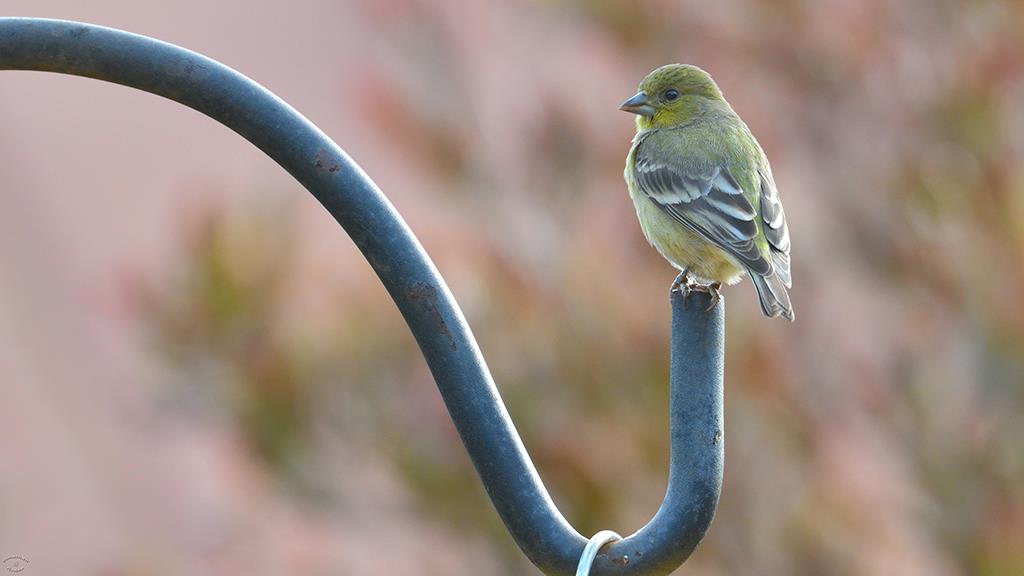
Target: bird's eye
(671, 94)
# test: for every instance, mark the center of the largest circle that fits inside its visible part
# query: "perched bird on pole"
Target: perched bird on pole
(703, 189)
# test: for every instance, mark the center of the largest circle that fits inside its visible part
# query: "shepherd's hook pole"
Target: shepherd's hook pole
(508, 475)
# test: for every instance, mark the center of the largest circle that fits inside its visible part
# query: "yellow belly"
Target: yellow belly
(683, 248)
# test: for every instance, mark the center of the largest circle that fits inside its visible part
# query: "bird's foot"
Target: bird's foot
(682, 285)
(681, 282)
(714, 290)
(686, 287)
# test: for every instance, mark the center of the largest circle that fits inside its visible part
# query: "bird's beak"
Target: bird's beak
(638, 104)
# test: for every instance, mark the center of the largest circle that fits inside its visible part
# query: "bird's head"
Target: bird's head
(671, 95)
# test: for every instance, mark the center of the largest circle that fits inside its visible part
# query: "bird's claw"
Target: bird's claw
(681, 283)
(714, 291)
(685, 287)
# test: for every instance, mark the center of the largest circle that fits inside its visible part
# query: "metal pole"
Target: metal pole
(423, 298)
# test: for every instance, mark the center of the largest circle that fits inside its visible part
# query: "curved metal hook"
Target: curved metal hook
(423, 298)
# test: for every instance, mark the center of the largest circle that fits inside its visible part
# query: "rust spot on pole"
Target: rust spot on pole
(324, 163)
(426, 295)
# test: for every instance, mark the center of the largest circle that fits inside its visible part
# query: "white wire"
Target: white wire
(593, 547)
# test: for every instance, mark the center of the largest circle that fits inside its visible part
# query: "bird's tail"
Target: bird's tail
(774, 296)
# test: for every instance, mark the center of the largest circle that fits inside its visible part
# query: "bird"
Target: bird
(703, 189)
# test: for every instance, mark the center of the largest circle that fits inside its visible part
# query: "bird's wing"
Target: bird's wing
(775, 229)
(705, 197)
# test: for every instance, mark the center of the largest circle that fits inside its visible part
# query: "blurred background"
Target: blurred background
(201, 375)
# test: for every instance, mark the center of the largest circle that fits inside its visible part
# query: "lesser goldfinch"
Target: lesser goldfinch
(703, 189)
